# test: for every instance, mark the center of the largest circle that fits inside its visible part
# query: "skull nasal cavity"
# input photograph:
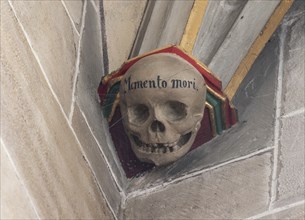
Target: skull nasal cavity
(157, 126)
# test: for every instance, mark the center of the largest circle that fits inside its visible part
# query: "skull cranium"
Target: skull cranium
(162, 99)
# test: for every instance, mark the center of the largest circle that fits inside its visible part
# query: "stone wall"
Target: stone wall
(55, 154)
(42, 156)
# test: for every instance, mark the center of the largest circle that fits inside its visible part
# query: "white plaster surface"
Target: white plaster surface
(122, 22)
(97, 3)
(174, 27)
(218, 20)
(15, 203)
(54, 42)
(75, 9)
(240, 38)
(235, 191)
(39, 139)
(163, 27)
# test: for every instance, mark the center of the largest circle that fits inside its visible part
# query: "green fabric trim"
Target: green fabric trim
(217, 111)
(109, 99)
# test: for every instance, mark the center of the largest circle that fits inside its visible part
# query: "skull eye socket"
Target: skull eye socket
(138, 113)
(175, 110)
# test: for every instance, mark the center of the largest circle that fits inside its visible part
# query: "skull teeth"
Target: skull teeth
(162, 148)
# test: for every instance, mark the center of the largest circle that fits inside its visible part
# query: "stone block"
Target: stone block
(96, 160)
(75, 9)
(235, 191)
(45, 151)
(294, 57)
(55, 42)
(91, 71)
(292, 161)
(15, 203)
(295, 213)
(121, 28)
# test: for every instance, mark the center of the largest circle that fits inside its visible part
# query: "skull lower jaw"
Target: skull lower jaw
(162, 153)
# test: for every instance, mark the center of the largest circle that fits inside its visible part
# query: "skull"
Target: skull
(162, 100)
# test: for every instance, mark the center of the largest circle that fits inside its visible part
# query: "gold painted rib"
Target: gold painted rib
(257, 47)
(114, 81)
(114, 106)
(212, 118)
(193, 25)
(223, 98)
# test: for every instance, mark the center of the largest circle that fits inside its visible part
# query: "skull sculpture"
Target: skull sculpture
(162, 100)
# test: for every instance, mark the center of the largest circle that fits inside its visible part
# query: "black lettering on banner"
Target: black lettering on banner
(159, 83)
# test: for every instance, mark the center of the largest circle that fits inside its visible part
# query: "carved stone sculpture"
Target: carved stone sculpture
(162, 100)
